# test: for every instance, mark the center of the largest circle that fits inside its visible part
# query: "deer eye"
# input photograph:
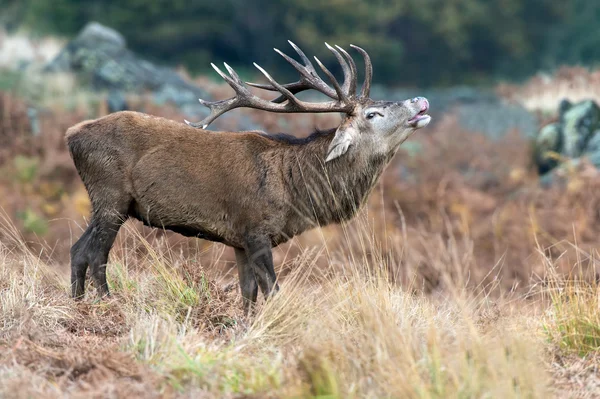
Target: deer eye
(371, 115)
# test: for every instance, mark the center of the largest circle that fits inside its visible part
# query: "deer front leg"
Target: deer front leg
(260, 258)
(248, 284)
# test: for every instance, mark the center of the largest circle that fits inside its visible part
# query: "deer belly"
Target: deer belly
(188, 228)
(180, 208)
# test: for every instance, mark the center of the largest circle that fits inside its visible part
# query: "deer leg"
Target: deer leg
(101, 240)
(79, 264)
(260, 258)
(92, 250)
(248, 284)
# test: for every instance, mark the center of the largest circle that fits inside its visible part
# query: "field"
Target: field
(463, 277)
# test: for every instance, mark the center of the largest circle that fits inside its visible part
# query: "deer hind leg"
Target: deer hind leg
(248, 284)
(79, 264)
(260, 258)
(92, 250)
(100, 243)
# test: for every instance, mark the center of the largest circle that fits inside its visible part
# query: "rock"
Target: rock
(575, 135)
(563, 107)
(79, 53)
(95, 34)
(547, 145)
(579, 122)
(592, 150)
(99, 56)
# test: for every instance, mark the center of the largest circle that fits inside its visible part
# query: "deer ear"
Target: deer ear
(343, 139)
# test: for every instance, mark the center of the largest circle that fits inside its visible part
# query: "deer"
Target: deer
(249, 190)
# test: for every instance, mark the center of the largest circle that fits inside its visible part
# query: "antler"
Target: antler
(344, 97)
(349, 69)
(366, 88)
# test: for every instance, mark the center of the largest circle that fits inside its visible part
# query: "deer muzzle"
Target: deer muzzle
(420, 107)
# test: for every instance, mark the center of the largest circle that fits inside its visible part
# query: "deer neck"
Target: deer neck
(329, 192)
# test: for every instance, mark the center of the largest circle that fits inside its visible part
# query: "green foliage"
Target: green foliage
(32, 222)
(9, 80)
(578, 39)
(26, 168)
(119, 279)
(179, 294)
(322, 380)
(575, 326)
(414, 42)
(12, 13)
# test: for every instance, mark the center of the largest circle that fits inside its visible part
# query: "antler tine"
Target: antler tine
(340, 93)
(293, 88)
(303, 56)
(238, 87)
(309, 79)
(217, 108)
(353, 71)
(284, 92)
(345, 68)
(308, 74)
(366, 89)
(304, 70)
(233, 74)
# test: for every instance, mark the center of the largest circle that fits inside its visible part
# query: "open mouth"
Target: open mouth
(421, 119)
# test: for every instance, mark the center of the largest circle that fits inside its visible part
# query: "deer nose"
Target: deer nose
(423, 101)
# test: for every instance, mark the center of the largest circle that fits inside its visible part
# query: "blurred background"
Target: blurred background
(416, 43)
(507, 169)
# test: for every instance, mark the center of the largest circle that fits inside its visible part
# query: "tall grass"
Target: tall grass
(348, 331)
(574, 322)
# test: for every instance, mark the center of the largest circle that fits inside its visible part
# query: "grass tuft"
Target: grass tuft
(575, 322)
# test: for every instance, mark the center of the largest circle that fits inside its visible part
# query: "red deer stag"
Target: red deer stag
(249, 190)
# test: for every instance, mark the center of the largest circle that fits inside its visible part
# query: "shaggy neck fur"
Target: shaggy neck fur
(332, 192)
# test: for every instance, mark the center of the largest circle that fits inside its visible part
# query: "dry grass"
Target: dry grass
(352, 334)
(174, 329)
(575, 325)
